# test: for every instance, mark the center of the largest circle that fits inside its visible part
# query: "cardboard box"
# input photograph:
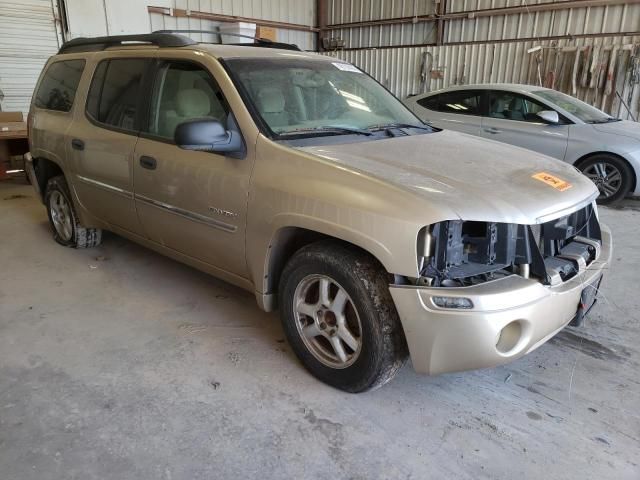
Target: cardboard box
(10, 117)
(268, 33)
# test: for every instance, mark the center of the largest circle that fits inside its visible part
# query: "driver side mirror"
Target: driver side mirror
(549, 116)
(207, 136)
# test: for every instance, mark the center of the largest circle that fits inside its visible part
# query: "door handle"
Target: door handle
(148, 162)
(492, 130)
(77, 144)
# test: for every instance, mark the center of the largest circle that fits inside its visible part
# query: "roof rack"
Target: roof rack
(259, 42)
(100, 43)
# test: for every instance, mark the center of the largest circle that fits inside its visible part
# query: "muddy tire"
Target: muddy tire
(339, 317)
(612, 175)
(63, 218)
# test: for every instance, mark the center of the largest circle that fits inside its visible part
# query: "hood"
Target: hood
(625, 128)
(475, 178)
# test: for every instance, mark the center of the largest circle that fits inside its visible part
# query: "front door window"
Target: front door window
(513, 106)
(184, 91)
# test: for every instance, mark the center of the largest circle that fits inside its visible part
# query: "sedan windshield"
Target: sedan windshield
(578, 108)
(297, 96)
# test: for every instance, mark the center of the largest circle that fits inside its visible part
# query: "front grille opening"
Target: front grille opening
(468, 253)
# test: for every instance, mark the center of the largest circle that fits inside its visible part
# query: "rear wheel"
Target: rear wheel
(64, 222)
(612, 176)
(339, 317)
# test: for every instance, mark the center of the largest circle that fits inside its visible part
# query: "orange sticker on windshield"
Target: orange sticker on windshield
(555, 182)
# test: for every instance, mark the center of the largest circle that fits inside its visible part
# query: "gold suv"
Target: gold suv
(298, 177)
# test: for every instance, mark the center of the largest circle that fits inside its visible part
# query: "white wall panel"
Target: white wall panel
(117, 17)
(28, 37)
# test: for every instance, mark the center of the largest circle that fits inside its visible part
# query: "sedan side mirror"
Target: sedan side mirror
(549, 116)
(207, 136)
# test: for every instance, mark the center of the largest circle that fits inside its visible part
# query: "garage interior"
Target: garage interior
(117, 362)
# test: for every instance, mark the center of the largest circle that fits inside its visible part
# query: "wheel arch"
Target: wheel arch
(45, 169)
(587, 156)
(288, 240)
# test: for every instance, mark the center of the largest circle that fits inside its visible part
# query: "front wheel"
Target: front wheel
(612, 176)
(339, 317)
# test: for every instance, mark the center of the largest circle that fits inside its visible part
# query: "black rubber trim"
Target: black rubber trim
(94, 44)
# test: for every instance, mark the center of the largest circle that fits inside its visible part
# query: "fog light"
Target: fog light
(452, 302)
(509, 337)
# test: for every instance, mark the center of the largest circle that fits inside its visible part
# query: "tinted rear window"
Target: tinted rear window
(430, 102)
(466, 102)
(114, 97)
(59, 85)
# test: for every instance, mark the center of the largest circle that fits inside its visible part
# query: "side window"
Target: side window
(114, 96)
(184, 91)
(59, 84)
(431, 103)
(465, 102)
(513, 106)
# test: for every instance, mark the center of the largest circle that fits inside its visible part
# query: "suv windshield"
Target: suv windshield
(583, 111)
(297, 96)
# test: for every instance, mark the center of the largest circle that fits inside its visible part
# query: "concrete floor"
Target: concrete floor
(117, 363)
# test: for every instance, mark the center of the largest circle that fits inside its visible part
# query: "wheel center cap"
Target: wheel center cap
(330, 318)
(327, 318)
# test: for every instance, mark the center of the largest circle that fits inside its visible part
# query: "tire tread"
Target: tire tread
(392, 353)
(82, 237)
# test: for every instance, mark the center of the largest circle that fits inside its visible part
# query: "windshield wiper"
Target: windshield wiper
(398, 125)
(328, 128)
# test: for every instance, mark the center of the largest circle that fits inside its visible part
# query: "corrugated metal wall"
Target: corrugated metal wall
(345, 11)
(28, 37)
(610, 19)
(491, 59)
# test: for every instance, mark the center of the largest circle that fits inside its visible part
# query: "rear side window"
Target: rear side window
(465, 102)
(59, 84)
(114, 96)
(431, 103)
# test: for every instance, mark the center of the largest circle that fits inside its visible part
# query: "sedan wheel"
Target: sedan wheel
(611, 175)
(607, 178)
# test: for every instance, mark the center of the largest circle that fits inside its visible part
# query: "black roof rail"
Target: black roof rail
(259, 42)
(100, 43)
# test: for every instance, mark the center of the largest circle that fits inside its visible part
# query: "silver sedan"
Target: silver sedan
(604, 148)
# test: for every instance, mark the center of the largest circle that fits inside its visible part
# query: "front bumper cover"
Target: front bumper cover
(448, 340)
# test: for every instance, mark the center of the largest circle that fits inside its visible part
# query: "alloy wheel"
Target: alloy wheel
(61, 215)
(606, 177)
(327, 321)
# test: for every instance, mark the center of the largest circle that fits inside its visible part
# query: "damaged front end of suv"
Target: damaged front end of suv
(490, 292)
(456, 253)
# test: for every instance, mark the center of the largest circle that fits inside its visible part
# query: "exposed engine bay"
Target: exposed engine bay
(458, 253)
